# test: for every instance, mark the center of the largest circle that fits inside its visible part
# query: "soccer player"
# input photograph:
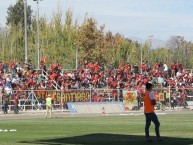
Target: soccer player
(149, 103)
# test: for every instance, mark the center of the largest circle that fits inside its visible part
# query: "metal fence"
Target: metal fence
(132, 99)
(1, 105)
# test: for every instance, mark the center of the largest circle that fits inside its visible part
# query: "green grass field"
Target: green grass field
(96, 130)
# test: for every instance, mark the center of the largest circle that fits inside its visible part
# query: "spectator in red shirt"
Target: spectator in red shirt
(143, 67)
(1, 67)
(174, 68)
(140, 92)
(156, 67)
(16, 102)
(127, 67)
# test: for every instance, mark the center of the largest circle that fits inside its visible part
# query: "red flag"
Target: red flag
(44, 59)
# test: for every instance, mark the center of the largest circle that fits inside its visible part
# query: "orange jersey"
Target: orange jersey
(148, 106)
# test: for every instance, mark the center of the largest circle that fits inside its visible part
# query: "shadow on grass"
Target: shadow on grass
(110, 139)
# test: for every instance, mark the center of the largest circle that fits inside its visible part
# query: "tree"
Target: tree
(89, 39)
(16, 14)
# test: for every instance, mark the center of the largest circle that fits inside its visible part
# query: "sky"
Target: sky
(131, 18)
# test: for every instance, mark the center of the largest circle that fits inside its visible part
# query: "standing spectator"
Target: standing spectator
(160, 80)
(96, 67)
(156, 66)
(179, 73)
(12, 68)
(16, 102)
(148, 66)
(5, 104)
(127, 68)
(143, 67)
(30, 65)
(140, 92)
(149, 103)
(5, 67)
(180, 67)
(136, 69)
(43, 67)
(1, 67)
(18, 66)
(161, 68)
(165, 70)
(174, 68)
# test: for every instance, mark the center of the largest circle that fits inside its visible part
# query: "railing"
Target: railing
(56, 86)
(46, 76)
(35, 99)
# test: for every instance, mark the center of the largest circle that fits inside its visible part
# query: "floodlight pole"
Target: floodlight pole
(25, 25)
(38, 33)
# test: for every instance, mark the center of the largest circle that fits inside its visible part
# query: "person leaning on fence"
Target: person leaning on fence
(5, 104)
(49, 106)
(149, 103)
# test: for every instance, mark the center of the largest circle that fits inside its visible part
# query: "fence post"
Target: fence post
(32, 92)
(169, 96)
(62, 102)
(90, 93)
(1, 100)
(118, 92)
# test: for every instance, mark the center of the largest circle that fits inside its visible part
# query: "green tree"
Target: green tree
(15, 14)
(90, 39)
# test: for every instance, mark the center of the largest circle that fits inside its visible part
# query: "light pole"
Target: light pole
(25, 25)
(38, 33)
(148, 38)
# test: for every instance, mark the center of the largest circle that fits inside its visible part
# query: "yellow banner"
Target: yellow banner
(130, 99)
(69, 96)
(159, 96)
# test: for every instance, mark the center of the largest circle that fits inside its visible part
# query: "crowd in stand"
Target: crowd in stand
(92, 75)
